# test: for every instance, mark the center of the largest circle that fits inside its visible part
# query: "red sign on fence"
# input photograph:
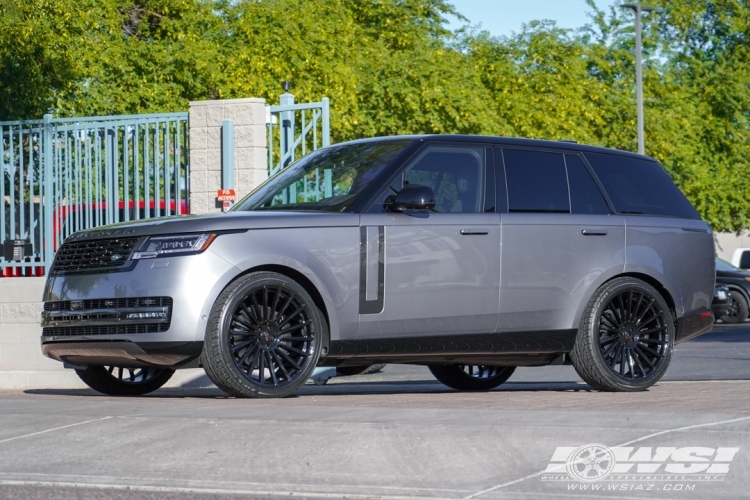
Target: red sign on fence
(226, 195)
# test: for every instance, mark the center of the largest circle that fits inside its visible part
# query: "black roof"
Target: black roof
(510, 141)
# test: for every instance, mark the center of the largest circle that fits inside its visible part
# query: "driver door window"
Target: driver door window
(455, 175)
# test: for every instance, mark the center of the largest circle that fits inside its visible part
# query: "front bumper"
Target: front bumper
(155, 302)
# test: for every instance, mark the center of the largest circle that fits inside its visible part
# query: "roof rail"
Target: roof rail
(568, 140)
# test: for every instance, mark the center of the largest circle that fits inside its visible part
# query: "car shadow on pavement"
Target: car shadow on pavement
(418, 387)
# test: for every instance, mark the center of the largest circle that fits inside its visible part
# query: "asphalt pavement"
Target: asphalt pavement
(396, 434)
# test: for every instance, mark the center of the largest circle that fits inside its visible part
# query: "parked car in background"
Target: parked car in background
(471, 255)
(721, 304)
(738, 282)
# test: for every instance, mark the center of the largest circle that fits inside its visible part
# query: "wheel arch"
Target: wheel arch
(737, 288)
(663, 291)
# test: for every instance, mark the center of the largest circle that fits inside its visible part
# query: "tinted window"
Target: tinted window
(536, 181)
(585, 197)
(329, 179)
(455, 174)
(638, 186)
(722, 265)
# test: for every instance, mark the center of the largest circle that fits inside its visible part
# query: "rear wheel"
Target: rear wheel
(119, 381)
(738, 308)
(626, 337)
(472, 377)
(263, 337)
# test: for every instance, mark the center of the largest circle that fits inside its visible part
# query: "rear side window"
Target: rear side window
(638, 186)
(536, 181)
(585, 197)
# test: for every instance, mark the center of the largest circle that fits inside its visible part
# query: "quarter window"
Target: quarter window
(536, 181)
(640, 186)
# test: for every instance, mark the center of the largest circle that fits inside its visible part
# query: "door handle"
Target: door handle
(468, 232)
(594, 232)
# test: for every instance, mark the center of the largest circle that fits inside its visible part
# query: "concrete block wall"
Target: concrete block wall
(250, 155)
(726, 243)
(22, 364)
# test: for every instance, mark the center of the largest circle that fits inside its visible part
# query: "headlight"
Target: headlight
(156, 246)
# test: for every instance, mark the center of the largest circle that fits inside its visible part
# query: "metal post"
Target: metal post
(227, 158)
(326, 123)
(287, 127)
(49, 251)
(638, 8)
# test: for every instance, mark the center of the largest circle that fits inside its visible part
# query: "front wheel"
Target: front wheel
(625, 338)
(119, 381)
(472, 377)
(263, 337)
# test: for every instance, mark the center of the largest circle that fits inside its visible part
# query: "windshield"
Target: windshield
(327, 180)
(722, 265)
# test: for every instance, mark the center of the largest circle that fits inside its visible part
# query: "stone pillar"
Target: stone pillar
(250, 155)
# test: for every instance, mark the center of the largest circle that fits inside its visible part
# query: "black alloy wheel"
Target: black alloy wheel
(124, 381)
(263, 337)
(472, 377)
(626, 337)
(738, 308)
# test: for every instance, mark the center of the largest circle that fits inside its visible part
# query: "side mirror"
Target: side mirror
(415, 197)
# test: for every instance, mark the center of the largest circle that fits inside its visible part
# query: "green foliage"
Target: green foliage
(391, 67)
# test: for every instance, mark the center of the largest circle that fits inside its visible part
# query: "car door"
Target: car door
(559, 237)
(434, 273)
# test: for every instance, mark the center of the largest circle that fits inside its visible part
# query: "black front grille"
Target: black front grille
(71, 331)
(64, 305)
(122, 303)
(77, 255)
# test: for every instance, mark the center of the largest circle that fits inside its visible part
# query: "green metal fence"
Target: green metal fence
(293, 131)
(62, 175)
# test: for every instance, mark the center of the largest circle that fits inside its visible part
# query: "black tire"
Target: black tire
(738, 308)
(263, 337)
(625, 338)
(472, 377)
(118, 381)
(359, 370)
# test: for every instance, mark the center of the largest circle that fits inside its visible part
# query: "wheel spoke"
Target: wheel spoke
(630, 365)
(653, 341)
(267, 313)
(294, 314)
(609, 351)
(256, 306)
(248, 312)
(622, 362)
(638, 361)
(647, 309)
(242, 344)
(288, 338)
(262, 368)
(606, 340)
(281, 365)
(237, 319)
(286, 305)
(643, 356)
(654, 330)
(630, 305)
(615, 356)
(651, 351)
(272, 369)
(295, 327)
(245, 356)
(294, 350)
(132, 374)
(290, 360)
(275, 304)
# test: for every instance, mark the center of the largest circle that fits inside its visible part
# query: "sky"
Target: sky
(503, 17)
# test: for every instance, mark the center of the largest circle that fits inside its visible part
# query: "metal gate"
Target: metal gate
(62, 175)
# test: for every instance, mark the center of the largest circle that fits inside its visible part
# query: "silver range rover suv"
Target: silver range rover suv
(471, 255)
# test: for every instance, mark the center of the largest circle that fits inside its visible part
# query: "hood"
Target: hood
(231, 221)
